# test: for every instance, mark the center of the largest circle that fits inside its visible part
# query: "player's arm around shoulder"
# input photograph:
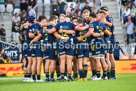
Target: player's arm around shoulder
(37, 38)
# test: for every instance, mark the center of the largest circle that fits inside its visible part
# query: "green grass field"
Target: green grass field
(124, 82)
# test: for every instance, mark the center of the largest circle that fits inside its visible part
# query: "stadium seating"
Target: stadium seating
(2, 10)
(9, 9)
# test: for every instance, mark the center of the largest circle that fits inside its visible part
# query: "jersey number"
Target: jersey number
(100, 31)
(84, 39)
(25, 37)
(46, 37)
(64, 34)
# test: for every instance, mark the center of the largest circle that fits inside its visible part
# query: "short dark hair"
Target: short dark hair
(41, 18)
(105, 8)
(80, 21)
(102, 12)
(74, 18)
(72, 9)
(93, 15)
(52, 18)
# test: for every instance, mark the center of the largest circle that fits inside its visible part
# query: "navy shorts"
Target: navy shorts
(99, 47)
(51, 54)
(36, 50)
(26, 51)
(113, 41)
(81, 53)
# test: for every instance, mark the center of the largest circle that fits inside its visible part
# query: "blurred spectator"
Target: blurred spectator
(2, 32)
(117, 50)
(62, 7)
(87, 7)
(70, 8)
(78, 9)
(133, 11)
(15, 19)
(23, 5)
(91, 4)
(33, 3)
(130, 29)
(78, 5)
(72, 13)
(3, 57)
(31, 11)
(55, 9)
(23, 18)
(15, 32)
(126, 13)
(129, 4)
(123, 2)
(79, 15)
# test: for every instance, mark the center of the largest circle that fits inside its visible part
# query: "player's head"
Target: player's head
(104, 9)
(74, 20)
(102, 14)
(67, 19)
(80, 21)
(42, 19)
(31, 19)
(53, 18)
(62, 18)
(86, 14)
(92, 16)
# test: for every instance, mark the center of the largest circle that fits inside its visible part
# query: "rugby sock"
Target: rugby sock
(58, 74)
(33, 77)
(38, 77)
(29, 75)
(104, 73)
(85, 70)
(25, 74)
(80, 73)
(113, 71)
(52, 74)
(69, 76)
(75, 75)
(62, 75)
(65, 74)
(98, 74)
(93, 73)
(108, 74)
(47, 75)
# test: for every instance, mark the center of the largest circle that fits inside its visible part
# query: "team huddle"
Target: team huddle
(65, 47)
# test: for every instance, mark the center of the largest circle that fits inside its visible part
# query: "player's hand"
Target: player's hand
(87, 26)
(102, 33)
(31, 42)
(114, 34)
(104, 22)
(79, 38)
(66, 38)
